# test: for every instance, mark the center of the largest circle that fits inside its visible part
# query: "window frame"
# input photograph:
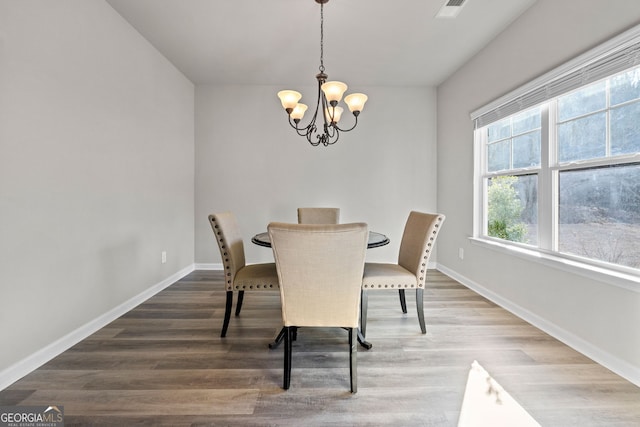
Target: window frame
(547, 248)
(482, 177)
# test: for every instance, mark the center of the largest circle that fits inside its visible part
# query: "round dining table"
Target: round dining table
(375, 240)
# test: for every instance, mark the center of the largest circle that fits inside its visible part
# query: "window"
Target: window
(512, 154)
(561, 175)
(599, 213)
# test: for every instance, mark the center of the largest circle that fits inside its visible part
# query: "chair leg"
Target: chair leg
(363, 313)
(353, 359)
(239, 303)
(227, 313)
(287, 358)
(420, 306)
(403, 301)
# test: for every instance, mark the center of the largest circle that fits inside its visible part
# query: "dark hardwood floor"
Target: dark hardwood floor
(164, 363)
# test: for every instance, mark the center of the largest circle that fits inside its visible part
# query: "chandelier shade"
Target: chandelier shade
(298, 112)
(333, 91)
(355, 102)
(289, 99)
(333, 114)
(330, 94)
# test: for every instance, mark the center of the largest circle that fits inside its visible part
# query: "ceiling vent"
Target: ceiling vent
(450, 9)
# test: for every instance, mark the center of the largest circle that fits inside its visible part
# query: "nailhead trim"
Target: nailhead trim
(391, 286)
(240, 287)
(225, 255)
(227, 266)
(421, 279)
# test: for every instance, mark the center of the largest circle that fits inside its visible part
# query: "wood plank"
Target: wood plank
(148, 402)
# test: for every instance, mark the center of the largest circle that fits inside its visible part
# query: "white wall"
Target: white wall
(96, 169)
(249, 161)
(598, 318)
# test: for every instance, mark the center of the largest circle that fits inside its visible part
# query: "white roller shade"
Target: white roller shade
(612, 57)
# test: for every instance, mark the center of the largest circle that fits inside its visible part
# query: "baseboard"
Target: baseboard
(201, 266)
(19, 369)
(218, 266)
(609, 361)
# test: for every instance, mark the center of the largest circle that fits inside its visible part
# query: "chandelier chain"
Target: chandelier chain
(321, 68)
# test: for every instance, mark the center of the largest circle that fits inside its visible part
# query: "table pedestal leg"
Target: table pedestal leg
(280, 336)
(278, 339)
(366, 344)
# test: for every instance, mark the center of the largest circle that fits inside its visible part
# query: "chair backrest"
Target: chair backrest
(227, 233)
(318, 215)
(420, 232)
(320, 271)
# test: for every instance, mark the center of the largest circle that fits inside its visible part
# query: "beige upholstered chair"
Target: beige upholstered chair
(418, 239)
(320, 270)
(237, 275)
(318, 215)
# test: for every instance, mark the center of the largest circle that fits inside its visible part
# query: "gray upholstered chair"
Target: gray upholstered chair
(318, 215)
(418, 239)
(320, 271)
(237, 275)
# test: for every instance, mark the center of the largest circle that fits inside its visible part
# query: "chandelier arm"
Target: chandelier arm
(351, 128)
(321, 100)
(298, 129)
(312, 128)
(325, 108)
(331, 130)
(311, 141)
(310, 131)
(306, 131)
(292, 123)
(334, 138)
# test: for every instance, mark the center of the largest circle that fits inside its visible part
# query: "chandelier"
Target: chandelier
(329, 95)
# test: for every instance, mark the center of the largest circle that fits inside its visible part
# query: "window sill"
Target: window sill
(624, 280)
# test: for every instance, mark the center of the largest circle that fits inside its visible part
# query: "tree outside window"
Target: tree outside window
(505, 210)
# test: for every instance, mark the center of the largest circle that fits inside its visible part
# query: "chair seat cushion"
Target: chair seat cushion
(387, 276)
(256, 277)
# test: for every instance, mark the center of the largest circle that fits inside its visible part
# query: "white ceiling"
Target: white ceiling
(277, 42)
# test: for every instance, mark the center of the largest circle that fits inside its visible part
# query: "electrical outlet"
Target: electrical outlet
(164, 256)
(461, 253)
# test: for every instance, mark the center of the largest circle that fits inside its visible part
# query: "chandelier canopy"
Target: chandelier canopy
(329, 95)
